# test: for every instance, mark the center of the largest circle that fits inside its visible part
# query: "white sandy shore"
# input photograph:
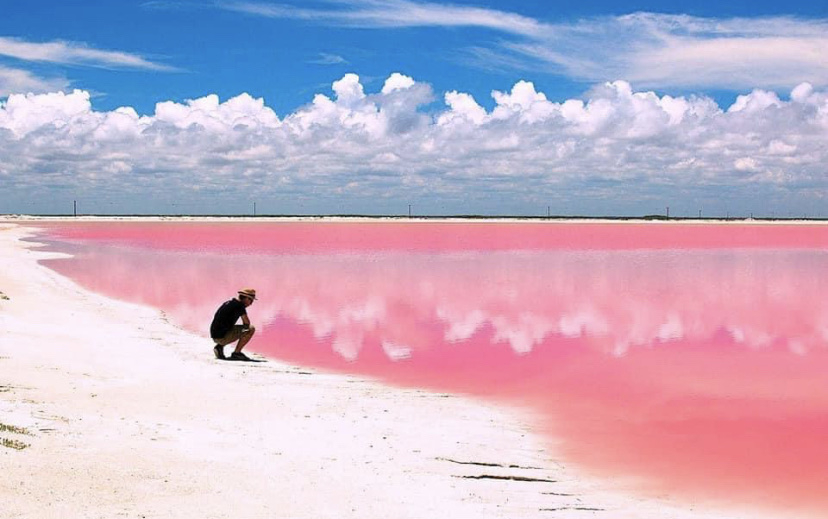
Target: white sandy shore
(122, 414)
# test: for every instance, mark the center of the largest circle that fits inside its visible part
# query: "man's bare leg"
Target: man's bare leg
(245, 338)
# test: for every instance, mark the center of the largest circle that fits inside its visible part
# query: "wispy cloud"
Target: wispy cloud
(175, 5)
(656, 50)
(395, 13)
(17, 80)
(650, 49)
(73, 53)
(328, 59)
(492, 60)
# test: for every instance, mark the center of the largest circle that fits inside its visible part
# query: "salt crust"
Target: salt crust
(130, 416)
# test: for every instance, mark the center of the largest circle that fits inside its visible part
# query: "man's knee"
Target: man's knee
(251, 331)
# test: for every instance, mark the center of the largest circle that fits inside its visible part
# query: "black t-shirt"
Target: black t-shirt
(226, 317)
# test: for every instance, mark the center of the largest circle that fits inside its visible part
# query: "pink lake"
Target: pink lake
(690, 358)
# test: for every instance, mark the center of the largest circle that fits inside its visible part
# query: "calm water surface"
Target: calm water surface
(692, 359)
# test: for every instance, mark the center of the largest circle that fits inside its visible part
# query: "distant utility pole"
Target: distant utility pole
(74, 207)
(409, 210)
(547, 211)
(254, 208)
(699, 213)
(668, 211)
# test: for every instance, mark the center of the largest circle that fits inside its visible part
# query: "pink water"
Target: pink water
(691, 358)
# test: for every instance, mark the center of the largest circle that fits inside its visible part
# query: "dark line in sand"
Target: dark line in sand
(509, 478)
(483, 464)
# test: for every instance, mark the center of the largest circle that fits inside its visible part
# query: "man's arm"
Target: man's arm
(245, 321)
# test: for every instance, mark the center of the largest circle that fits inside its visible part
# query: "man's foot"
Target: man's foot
(219, 351)
(237, 355)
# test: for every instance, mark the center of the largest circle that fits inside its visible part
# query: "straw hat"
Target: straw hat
(248, 292)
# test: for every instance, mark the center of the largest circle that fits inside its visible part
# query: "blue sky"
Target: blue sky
(462, 107)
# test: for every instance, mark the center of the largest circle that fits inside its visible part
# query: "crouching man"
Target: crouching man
(224, 329)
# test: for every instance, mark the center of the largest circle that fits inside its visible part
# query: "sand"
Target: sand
(107, 409)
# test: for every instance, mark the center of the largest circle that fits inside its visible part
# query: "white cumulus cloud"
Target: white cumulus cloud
(614, 143)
